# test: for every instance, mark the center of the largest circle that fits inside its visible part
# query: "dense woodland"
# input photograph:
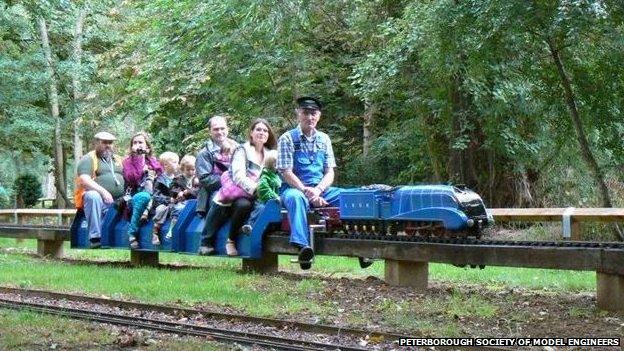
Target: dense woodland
(520, 100)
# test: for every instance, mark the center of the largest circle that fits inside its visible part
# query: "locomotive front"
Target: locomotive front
(424, 210)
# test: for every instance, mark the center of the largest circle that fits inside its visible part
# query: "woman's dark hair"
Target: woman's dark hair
(271, 143)
(148, 142)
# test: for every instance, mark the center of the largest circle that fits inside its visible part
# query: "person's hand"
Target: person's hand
(311, 193)
(107, 197)
(319, 202)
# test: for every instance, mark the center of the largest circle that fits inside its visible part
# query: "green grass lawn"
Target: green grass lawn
(219, 280)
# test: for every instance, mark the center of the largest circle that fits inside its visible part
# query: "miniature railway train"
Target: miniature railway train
(426, 210)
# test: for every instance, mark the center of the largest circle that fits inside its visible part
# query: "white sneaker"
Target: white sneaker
(230, 248)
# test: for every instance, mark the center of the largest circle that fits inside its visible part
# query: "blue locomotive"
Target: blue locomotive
(422, 210)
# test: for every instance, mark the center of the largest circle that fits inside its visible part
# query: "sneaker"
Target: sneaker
(155, 240)
(144, 218)
(134, 244)
(230, 248)
(246, 229)
(201, 214)
(95, 243)
(206, 250)
(306, 254)
(169, 234)
(365, 262)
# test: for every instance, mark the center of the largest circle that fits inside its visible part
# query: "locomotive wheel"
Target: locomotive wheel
(393, 229)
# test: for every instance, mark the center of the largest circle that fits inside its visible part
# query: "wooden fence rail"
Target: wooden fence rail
(571, 217)
(23, 215)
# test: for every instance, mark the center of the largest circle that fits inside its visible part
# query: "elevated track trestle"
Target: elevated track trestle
(407, 258)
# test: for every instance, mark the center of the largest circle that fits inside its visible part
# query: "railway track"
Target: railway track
(218, 334)
(178, 311)
(470, 241)
(226, 335)
(64, 230)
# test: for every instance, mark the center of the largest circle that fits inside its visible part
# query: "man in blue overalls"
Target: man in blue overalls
(306, 163)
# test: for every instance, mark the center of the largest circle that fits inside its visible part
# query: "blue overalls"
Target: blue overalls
(308, 166)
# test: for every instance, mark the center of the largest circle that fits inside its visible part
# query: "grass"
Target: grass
(27, 331)
(494, 277)
(461, 305)
(31, 331)
(218, 282)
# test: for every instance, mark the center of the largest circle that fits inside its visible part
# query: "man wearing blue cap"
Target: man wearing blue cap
(306, 163)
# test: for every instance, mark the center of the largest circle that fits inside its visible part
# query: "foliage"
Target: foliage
(464, 92)
(4, 198)
(27, 190)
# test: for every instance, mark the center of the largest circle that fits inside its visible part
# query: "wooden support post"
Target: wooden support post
(266, 265)
(20, 220)
(144, 258)
(407, 273)
(576, 230)
(610, 291)
(52, 248)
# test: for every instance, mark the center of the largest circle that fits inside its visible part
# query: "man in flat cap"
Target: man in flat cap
(306, 163)
(99, 182)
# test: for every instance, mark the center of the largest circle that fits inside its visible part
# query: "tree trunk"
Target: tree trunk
(366, 133)
(455, 166)
(432, 143)
(586, 152)
(77, 93)
(61, 188)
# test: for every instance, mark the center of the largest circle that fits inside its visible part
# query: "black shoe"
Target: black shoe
(95, 243)
(306, 254)
(201, 214)
(134, 244)
(365, 262)
(206, 250)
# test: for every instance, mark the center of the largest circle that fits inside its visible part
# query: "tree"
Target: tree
(27, 190)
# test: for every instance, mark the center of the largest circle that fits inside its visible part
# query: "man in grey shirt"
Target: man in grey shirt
(211, 162)
(99, 183)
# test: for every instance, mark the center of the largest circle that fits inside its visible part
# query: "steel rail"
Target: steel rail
(300, 326)
(64, 230)
(224, 335)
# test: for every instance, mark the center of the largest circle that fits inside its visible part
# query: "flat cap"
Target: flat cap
(309, 103)
(104, 136)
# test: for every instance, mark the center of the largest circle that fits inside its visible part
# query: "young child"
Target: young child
(269, 184)
(163, 196)
(229, 191)
(223, 159)
(184, 187)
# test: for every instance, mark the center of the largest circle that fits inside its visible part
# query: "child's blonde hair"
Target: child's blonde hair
(270, 159)
(168, 156)
(227, 147)
(187, 160)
